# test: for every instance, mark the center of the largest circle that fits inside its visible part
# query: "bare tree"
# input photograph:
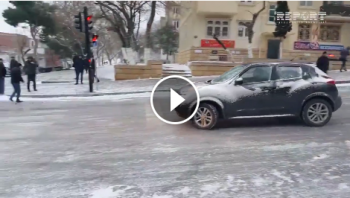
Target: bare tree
(122, 16)
(250, 25)
(66, 34)
(149, 24)
(22, 45)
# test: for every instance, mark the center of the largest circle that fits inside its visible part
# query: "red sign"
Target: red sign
(214, 43)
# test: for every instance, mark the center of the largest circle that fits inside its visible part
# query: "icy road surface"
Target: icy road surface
(119, 149)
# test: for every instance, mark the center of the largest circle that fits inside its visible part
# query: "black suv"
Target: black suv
(264, 90)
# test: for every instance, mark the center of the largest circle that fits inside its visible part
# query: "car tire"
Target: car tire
(211, 112)
(323, 113)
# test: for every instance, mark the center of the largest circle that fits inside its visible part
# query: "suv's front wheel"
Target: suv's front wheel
(317, 113)
(206, 117)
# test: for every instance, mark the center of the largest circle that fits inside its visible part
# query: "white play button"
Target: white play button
(171, 99)
(175, 99)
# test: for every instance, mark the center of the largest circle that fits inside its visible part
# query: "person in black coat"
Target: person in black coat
(13, 63)
(16, 79)
(78, 65)
(323, 62)
(2, 77)
(30, 68)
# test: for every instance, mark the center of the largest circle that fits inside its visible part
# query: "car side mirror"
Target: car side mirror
(306, 76)
(208, 81)
(239, 81)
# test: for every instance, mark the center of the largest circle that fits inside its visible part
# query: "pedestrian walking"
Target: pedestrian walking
(30, 68)
(323, 62)
(343, 58)
(78, 65)
(16, 79)
(13, 63)
(2, 77)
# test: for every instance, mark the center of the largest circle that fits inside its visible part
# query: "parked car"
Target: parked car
(264, 90)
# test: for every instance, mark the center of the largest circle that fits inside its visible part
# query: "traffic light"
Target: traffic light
(94, 39)
(89, 22)
(78, 23)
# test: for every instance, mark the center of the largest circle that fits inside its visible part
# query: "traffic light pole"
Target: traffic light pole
(87, 48)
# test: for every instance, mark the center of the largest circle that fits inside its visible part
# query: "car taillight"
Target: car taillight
(332, 82)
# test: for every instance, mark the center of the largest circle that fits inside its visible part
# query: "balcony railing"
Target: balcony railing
(335, 9)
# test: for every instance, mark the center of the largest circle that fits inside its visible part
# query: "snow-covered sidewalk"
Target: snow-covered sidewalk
(104, 87)
(61, 84)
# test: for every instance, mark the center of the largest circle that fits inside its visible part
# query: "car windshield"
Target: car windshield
(229, 74)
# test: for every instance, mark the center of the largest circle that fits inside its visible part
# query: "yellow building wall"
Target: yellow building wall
(193, 26)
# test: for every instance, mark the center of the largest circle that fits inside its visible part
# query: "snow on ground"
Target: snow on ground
(213, 62)
(87, 98)
(106, 72)
(176, 69)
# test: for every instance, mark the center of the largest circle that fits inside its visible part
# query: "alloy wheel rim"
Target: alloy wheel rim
(318, 113)
(203, 117)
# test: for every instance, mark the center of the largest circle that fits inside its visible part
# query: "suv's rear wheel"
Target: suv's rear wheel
(206, 117)
(317, 112)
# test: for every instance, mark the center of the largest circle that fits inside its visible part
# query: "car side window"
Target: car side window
(257, 74)
(286, 73)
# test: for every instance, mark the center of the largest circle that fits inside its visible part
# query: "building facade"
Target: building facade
(11, 45)
(200, 20)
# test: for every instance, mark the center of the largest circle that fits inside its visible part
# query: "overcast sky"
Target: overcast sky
(4, 27)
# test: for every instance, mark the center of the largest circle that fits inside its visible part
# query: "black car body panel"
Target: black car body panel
(275, 94)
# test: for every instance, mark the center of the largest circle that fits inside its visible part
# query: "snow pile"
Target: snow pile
(210, 62)
(106, 72)
(177, 69)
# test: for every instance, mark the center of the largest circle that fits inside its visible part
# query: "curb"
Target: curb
(53, 82)
(112, 94)
(83, 95)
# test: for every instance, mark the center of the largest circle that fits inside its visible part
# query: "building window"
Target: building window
(176, 25)
(272, 13)
(242, 30)
(176, 10)
(305, 3)
(330, 33)
(246, 2)
(218, 27)
(304, 31)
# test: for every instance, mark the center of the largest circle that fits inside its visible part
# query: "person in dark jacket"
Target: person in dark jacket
(30, 68)
(343, 58)
(323, 62)
(16, 79)
(2, 77)
(78, 65)
(13, 63)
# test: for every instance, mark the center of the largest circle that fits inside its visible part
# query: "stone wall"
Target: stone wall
(240, 54)
(205, 68)
(153, 69)
(200, 68)
(203, 54)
